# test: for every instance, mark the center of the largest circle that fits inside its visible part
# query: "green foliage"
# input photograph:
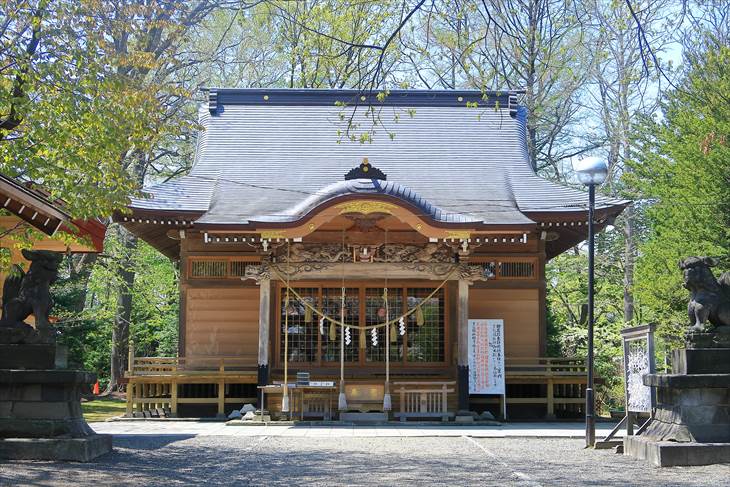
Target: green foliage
(155, 306)
(684, 176)
(74, 114)
(567, 291)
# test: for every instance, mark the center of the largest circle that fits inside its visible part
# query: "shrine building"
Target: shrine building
(351, 236)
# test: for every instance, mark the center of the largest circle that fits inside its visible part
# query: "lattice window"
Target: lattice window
(425, 328)
(374, 314)
(208, 268)
(332, 306)
(238, 268)
(519, 270)
(424, 341)
(303, 326)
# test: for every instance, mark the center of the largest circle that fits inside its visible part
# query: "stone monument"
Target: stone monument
(691, 424)
(40, 404)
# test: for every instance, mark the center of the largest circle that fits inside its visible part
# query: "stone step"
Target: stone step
(376, 417)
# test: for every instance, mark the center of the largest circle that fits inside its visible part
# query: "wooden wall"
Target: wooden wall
(222, 321)
(520, 310)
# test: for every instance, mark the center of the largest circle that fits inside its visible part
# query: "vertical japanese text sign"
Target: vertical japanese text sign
(486, 357)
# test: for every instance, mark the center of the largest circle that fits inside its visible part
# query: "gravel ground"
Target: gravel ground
(185, 460)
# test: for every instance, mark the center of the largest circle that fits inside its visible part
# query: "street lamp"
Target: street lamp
(592, 172)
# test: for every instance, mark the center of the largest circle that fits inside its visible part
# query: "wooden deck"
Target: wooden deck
(157, 382)
(164, 383)
(564, 378)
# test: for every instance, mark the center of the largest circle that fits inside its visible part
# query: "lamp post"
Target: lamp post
(591, 172)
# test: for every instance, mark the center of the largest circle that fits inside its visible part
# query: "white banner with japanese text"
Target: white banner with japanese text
(486, 357)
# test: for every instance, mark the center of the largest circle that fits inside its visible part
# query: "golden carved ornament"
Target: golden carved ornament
(273, 234)
(457, 235)
(366, 207)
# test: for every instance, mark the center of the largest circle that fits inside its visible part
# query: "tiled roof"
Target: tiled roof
(271, 159)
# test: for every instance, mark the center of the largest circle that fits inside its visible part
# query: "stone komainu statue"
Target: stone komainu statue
(29, 293)
(709, 297)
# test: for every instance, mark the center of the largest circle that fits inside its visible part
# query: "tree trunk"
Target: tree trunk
(81, 268)
(123, 315)
(629, 266)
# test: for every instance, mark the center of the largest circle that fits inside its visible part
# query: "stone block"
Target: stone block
(22, 356)
(710, 433)
(58, 392)
(20, 392)
(41, 410)
(247, 407)
(701, 361)
(698, 414)
(43, 428)
(42, 403)
(688, 381)
(671, 454)
(64, 449)
(716, 396)
(689, 397)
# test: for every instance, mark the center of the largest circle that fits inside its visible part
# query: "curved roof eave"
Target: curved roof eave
(360, 188)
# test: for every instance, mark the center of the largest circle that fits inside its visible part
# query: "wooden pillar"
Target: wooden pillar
(173, 399)
(462, 367)
(221, 391)
(550, 400)
(130, 398)
(130, 359)
(264, 318)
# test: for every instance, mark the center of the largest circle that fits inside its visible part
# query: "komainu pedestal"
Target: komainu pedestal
(40, 405)
(41, 418)
(691, 425)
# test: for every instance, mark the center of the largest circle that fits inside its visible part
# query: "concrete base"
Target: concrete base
(364, 417)
(672, 454)
(64, 449)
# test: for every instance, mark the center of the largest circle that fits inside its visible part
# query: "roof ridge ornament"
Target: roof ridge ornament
(365, 171)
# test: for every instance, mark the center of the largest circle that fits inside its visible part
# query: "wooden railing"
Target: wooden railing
(544, 366)
(565, 380)
(195, 365)
(424, 399)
